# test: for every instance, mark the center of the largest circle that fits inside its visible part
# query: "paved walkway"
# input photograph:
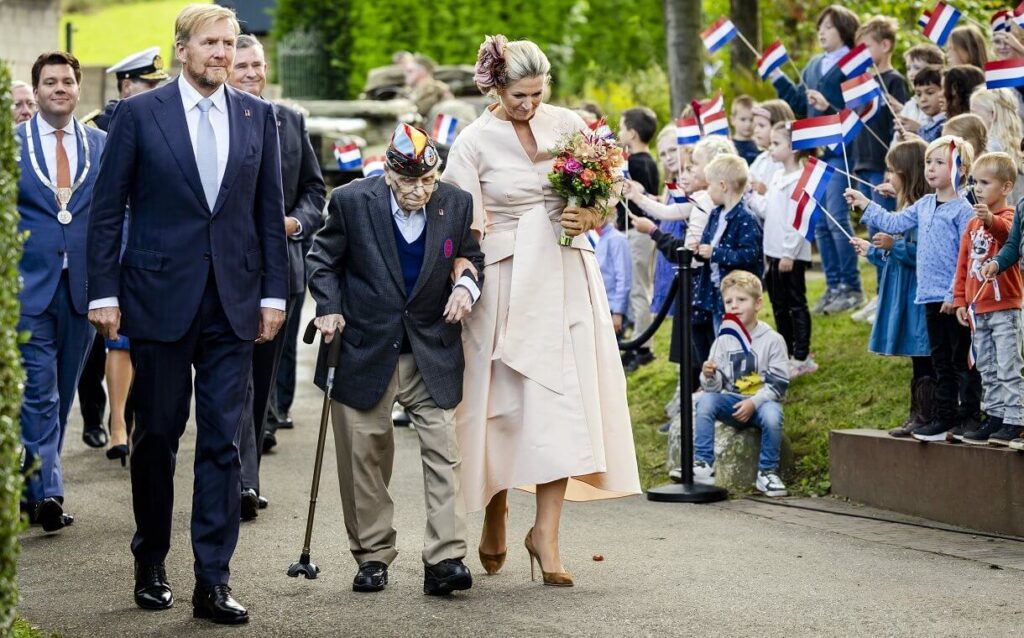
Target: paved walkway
(735, 569)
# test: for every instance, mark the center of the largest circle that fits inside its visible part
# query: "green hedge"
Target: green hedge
(11, 376)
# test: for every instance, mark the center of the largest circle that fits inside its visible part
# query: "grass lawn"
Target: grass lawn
(852, 389)
(106, 35)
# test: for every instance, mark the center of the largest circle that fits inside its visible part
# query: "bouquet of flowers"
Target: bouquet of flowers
(587, 165)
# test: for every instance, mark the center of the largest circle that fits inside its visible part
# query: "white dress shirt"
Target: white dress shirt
(222, 132)
(48, 139)
(412, 225)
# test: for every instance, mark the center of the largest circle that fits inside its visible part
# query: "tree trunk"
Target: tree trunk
(748, 22)
(683, 24)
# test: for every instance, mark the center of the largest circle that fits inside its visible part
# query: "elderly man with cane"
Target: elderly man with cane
(379, 272)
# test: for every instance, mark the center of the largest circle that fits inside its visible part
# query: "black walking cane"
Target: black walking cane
(687, 491)
(304, 567)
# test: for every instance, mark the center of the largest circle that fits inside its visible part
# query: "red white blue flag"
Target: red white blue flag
(716, 124)
(707, 108)
(602, 130)
(941, 22)
(972, 353)
(851, 126)
(1017, 16)
(444, 128)
(954, 165)
(813, 132)
(857, 61)
(772, 58)
(813, 180)
(676, 195)
(1001, 20)
(348, 156)
(870, 110)
(860, 90)
(1003, 74)
(731, 326)
(718, 34)
(373, 166)
(687, 131)
(923, 20)
(807, 214)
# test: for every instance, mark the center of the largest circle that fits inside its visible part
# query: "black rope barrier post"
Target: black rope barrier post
(687, 491)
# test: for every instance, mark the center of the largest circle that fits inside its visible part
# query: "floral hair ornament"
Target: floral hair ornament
(489, 72)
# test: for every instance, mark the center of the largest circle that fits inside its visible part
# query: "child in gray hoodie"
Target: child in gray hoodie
(744, 380)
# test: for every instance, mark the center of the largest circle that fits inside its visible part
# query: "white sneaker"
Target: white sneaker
(769, 484)
(703, 473)
(866, 311)
(799, 368)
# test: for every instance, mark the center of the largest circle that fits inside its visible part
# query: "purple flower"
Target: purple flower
(573, 166)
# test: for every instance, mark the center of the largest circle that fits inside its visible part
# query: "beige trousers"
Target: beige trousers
(641, 249)
(365, 445)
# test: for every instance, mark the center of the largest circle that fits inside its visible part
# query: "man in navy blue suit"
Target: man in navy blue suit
(204, 276)
(59, 159)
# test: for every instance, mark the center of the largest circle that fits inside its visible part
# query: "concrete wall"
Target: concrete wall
(27, 28)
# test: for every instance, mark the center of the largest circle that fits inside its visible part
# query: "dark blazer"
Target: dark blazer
(174, 239)
(43, 257)
(304, 190)
(354, 270)
(740, 248)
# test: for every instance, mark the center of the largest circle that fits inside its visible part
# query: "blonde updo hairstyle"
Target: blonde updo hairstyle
(500, 63)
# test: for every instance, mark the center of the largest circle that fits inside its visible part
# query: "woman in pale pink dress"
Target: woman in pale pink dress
(545, 396)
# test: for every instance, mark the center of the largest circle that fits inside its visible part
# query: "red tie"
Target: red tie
(63, 168)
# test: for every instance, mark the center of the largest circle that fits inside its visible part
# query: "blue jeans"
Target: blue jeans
(888, 203)
(838, 258)
(719, 406)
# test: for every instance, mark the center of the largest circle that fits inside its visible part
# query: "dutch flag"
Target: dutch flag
(860, 90)
(373, 166)
(444, 129)
(813, 132)
(870, 110)
(676, 194)
(806, 215)
(348, 156)
(972, 353)
(857, 61)
(687, 131)
(1018, 15)
(1004, 73)
(813, 180)
(851, 126)
(772, 58)
(718, 34)
(941, 22)
(954, 165)
(716, 124)
(1001, 20)
(714, 105)
(602, 130)
(732, 326)
(923, 20)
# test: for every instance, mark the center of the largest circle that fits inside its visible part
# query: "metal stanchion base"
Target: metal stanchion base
(687, 493)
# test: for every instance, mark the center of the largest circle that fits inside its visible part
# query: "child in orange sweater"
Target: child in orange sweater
(990, 303)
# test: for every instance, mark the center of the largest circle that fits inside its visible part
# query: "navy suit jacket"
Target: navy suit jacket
(48, 240)
(174, 240)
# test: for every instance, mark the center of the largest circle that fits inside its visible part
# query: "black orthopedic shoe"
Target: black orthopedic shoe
(445, 577)
(214, 603)
(372, 576)
(250, 504)
(50, 514)
(152, 591)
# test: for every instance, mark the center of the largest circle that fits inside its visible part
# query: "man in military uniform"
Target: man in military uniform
(137, 73)
(422, 88)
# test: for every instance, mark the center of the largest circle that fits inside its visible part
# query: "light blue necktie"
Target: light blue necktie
(206, 152)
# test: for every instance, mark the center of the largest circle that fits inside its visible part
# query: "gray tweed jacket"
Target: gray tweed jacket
(354, 270)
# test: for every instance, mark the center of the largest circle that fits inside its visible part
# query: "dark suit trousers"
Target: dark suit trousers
(92, 399)
(265, 359)
(52, 358)
(162, 393)
(281, 402)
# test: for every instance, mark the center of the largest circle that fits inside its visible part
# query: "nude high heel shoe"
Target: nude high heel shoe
(493, 562)
(555, 579)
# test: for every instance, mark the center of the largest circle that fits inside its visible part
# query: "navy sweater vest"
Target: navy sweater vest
(411, 258)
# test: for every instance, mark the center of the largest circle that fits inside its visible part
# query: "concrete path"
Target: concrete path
(730, 570)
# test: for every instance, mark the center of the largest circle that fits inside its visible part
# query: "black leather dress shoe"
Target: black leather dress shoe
(283, 423)
(50, 514)
(152, 591)
(250, 504)
(94, 437)
(215, 603)
(445, 577)
(263, 502)
(372, 576)
(269, 441)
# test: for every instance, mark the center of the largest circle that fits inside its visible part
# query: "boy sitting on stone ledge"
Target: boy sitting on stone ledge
(744, 380)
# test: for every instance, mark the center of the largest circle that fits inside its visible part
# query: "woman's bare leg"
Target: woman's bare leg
(492, 538)
(119, 382)
(550, 497)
